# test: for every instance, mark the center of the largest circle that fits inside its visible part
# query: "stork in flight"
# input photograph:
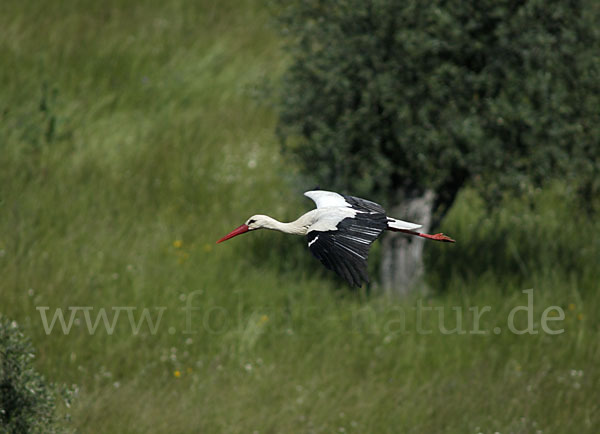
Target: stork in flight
(339, 231)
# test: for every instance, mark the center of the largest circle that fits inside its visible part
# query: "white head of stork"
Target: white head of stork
(339, 231)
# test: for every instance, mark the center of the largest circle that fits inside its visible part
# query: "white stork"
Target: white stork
(339, 232)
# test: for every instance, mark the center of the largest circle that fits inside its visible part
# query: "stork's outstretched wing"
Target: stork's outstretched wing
(326, 199)
(346, 249)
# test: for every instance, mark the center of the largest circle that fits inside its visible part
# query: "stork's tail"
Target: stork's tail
(396, 225)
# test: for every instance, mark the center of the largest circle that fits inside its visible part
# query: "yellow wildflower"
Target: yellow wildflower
(264, 319)
(580, 316)
(177, 244)
(571, 306)
(177, 374)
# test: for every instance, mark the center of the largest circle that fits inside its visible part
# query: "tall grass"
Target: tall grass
(132, 138)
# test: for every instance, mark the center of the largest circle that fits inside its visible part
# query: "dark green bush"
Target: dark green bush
(387, 97)
(27, 400)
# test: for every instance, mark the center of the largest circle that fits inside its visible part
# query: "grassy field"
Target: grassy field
(135, 134)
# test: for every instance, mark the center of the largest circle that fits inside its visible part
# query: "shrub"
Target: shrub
(27, 400)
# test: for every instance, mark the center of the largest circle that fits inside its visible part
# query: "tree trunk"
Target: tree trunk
(402, 265)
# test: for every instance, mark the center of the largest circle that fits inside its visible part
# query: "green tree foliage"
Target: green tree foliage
(386, 98)
(27, 401)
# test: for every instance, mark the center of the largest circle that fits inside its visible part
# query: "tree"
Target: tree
(405, 102)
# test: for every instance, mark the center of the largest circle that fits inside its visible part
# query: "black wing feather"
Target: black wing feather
(363, 204)
(346, 249)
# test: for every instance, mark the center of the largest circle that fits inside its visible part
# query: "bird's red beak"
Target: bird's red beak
(242, 229)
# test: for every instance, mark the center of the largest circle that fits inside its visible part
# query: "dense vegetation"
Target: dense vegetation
(408, 102)
(27, 400)
(130, 140)
(388, 98)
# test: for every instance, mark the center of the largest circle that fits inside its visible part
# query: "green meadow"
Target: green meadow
(133, 135)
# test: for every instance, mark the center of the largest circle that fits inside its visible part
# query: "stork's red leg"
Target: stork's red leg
(437, 237)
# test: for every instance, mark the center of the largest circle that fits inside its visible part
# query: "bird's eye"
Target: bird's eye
(251, 221)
